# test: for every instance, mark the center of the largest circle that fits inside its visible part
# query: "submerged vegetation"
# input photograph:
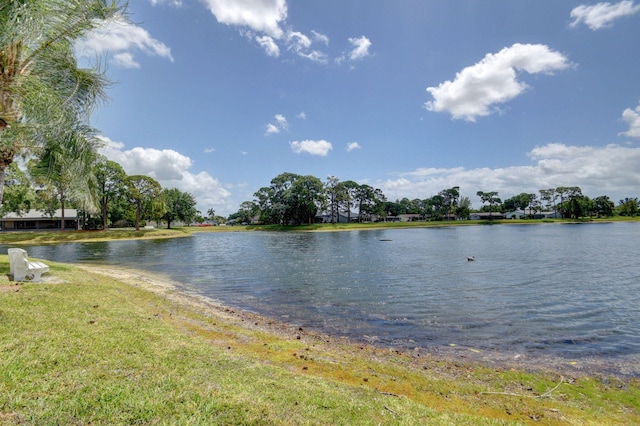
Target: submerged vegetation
(86, 347)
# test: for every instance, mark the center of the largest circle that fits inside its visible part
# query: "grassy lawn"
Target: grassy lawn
(88, 348)
(48, 237)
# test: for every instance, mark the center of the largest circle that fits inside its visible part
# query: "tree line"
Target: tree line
(104, 195)
(296, 199)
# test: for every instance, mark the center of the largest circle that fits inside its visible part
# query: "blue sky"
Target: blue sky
(217, 97)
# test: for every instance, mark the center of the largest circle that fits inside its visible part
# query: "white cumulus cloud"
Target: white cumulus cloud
(353, 146)
(632, 117)
(175, 3)
(602, 15)
(478, 88)
(171, 170)
(320, 147)
(121, 38)
(279, 125)
(360, 46)
(611, 170)
(301, 44)
(359, 49)
(261, 16)
(265, 22)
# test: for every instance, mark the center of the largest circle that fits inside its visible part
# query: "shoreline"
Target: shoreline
(106, 345)
(619, 367)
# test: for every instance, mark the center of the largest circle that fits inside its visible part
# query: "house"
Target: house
(410, 217)
(520, 214)
(547, 215)
(341, 218)
(486, 216)
(516, 214)
(39, 220)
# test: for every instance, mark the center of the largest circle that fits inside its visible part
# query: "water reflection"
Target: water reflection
(568, 290)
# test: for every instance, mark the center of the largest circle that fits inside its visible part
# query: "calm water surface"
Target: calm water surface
(571, 291)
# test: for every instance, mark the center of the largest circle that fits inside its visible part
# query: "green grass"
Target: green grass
(90, 349)
(422, 224)
(48, 237)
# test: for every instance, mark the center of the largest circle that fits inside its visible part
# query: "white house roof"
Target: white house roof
(38, 214)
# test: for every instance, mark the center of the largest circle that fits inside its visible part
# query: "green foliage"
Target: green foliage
(44, 97)
(111, 185)
(144, 192)
(491, 198)
(179, 206)
(291, 198)
(19, 197)
(628, 207)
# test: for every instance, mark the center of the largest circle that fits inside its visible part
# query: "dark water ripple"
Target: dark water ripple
(567, 290)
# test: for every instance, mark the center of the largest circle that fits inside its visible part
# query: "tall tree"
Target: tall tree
(305, 198)
(436, 207)
(42, 90)
(65, 167)
(603, 206)
(464, 208)
(333, 190)
(450, 198)
(349, 189)
(570, 201)
(280, 193)
(628, 207)
(142, 191)
(248, 210)
(491, 198)
(179, 206)
(370, 201)
(110, 183)
(548, 198)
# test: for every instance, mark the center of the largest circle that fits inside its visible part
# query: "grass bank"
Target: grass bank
(53, 237)
(111, 347)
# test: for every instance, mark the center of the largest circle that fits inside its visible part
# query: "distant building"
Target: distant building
(38, 220)
(486, 216)
(520, 214)
(340, 218)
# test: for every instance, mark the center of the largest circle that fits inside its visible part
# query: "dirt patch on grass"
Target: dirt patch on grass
(4, 288)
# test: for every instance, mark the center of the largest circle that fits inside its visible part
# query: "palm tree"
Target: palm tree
(42, 91)
(65, 166)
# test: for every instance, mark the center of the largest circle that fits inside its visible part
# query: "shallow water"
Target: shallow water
(568, 291)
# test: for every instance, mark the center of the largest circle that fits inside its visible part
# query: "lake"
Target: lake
(567, 291)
